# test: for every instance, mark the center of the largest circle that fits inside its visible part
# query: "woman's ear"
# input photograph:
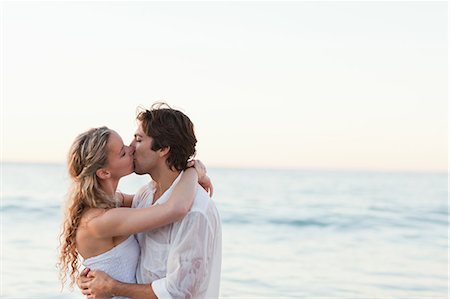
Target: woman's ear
(103, 174)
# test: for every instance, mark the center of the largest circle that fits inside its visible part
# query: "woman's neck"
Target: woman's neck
(109, 186)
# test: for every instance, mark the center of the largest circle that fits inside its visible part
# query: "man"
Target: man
(180, 260)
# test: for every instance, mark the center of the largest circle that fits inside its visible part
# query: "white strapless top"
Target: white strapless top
(120, 262)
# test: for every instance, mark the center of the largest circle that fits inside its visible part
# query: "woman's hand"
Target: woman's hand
(203, 179)
(207, 185)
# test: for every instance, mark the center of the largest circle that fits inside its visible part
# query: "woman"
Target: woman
(97, 227)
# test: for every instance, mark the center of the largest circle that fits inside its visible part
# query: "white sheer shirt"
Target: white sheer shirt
(182, 259)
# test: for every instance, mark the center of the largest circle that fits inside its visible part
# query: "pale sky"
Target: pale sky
(330, 85)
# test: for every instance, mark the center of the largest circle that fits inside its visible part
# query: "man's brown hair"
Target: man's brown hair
(169, 128)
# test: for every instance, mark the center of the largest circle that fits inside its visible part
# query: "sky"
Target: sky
(307, 85)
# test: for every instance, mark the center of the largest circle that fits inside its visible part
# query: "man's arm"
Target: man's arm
(98, 284)
(189, 260)
(135, 291)
(189, 264)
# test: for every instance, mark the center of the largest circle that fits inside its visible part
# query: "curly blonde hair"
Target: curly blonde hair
(87, 154)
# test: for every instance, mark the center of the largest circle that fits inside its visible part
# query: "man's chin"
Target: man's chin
(136, 171)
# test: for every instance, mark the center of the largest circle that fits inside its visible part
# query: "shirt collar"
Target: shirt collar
(165, 196)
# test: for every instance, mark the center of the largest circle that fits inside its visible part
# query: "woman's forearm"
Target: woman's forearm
(183, 194)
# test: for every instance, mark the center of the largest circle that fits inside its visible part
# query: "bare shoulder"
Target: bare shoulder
(89, 243)
(88, 216)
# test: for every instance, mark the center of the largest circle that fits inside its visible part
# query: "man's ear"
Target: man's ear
(164, 151)
(103, 174)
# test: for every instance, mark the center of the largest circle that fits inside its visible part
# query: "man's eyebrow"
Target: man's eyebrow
(121, 150)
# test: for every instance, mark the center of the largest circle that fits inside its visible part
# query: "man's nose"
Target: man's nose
(131, 150)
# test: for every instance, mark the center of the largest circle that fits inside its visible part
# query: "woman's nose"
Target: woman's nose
(131, 150)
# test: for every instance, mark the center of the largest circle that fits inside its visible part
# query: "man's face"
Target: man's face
(144, 157)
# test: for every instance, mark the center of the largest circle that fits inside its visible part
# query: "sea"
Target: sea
(286, 233)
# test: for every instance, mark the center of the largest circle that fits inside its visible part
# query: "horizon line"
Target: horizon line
(281, 168)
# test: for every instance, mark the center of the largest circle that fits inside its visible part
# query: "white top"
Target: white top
(120, 262)
(182, 259)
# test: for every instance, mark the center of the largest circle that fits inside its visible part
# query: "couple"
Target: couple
(176, 249)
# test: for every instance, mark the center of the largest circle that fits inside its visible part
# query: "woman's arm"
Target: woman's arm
(203, 180)
(125, 221)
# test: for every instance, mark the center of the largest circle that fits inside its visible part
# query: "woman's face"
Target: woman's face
(145, 159)
(120, 156)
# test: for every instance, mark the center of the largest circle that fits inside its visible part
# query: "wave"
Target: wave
(341, 222)
(300, 222)
(30, 210)
(275, 221)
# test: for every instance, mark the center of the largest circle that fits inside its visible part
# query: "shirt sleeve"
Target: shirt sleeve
(189, 259)
(144, 192)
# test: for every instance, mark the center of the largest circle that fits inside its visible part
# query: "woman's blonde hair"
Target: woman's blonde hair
(87, 154)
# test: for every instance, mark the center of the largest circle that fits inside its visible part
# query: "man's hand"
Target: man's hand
(82, 280)
(96, 284)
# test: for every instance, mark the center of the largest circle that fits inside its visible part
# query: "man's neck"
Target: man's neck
(164, 178)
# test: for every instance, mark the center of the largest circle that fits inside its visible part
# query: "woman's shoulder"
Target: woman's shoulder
(89, 243)
(89, 215)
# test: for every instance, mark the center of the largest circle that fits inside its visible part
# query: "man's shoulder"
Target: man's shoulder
(203, 211)
(145, 192)
(201, 193)
(202, 202)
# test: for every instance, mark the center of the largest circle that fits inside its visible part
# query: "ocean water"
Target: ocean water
(286, 233)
